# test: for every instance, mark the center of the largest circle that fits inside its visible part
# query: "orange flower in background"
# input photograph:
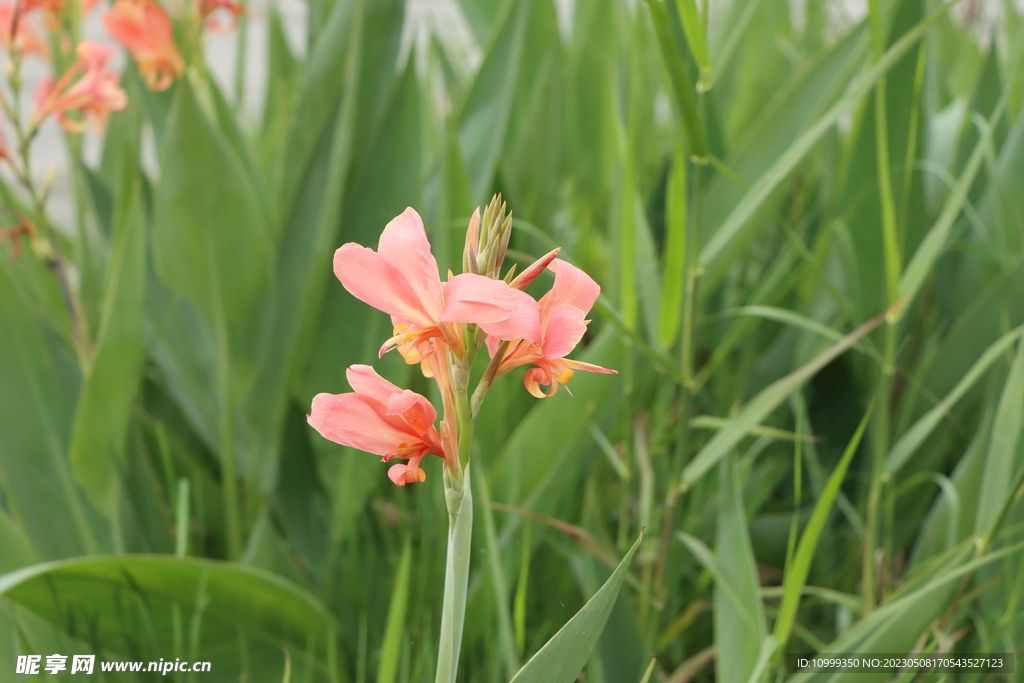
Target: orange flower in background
(22, 36)
(93, 96)
(382, 419)
(562, 322)
(210, 9)
(22, 230)
(145, 30)
(51, 6)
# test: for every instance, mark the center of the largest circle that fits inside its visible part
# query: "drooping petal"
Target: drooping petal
(404, 245)
(373, 280)
(357, 421)
(565, 328)
(365, 380)
(416, 410)
(572, 286)
(498, 309)
(537, 377)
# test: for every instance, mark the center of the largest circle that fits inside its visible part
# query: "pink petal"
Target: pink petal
(525, 278)
(373, 280)
(572, 286)
(357, 421)
(416, 410)
(588, 367)
(565, 327)
(365, 380)
(498, 309)
(404, 245)
(492, 343)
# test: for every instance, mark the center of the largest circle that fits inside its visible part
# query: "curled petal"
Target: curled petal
(498, 309)
(537, 377)
(404, 245)
(369, 277)
(365, 380)
(565, 328)
(406, 474)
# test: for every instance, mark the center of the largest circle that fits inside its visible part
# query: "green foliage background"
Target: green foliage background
(749, 193)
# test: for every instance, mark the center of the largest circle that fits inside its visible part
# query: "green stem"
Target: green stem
(881, 436)
(456, 576)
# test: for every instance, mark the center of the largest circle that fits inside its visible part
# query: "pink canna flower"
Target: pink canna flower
(16, 32)
(562, 325)
(93, 96)
(382, 419)
(401, 279)
(145, 30)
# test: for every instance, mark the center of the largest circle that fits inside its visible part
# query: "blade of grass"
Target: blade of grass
(562, 658)
(916, 435)
(764, 403)
(391, 648)
(796, 574)
(752, 200)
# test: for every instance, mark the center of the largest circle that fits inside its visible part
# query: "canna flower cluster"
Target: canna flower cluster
(145, 30)
(441, 326)
(86, 88)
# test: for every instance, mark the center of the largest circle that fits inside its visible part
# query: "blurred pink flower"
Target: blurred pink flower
(94, 95)
(382, 419)
(401, 279)
(562, 326)
(145, 30)
(210, 9)
(24, 36)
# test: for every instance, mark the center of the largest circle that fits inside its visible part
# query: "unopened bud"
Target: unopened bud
(49, 179)
(469, 262)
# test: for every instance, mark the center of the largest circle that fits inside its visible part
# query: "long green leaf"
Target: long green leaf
(931, 247)
(484, 117)
(562, 658)
(796, 575)
(915, 436)
(738, 611)
(128, 605)
(1004, 455)
(762, 188)
(764, 403)
(391, 648)
(104, 406)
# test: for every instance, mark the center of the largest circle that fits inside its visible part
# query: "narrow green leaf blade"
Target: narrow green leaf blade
(674, 263)
(104, 406)
(915, 436)
(391, 649)
(562, 658)
(738, 611)
(765, 402)
(694, 31)
(1004, 455)
(796, 575)
(132, 603)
